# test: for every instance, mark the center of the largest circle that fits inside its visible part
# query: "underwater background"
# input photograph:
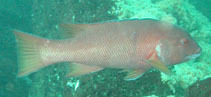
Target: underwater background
(41, 17)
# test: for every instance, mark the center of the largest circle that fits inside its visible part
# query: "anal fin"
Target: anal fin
(80, 69)
(133, 74)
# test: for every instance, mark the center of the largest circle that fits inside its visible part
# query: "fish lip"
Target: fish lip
(199, 50)
(193, 56)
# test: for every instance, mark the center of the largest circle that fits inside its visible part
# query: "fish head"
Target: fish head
(177, 46)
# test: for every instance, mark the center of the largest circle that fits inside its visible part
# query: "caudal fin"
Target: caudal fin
(28, 53)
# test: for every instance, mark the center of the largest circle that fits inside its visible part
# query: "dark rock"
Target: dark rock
(200, 89)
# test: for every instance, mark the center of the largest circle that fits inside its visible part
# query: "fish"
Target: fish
(134, 46)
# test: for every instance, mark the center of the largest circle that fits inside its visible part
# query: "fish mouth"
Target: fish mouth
(194, 56)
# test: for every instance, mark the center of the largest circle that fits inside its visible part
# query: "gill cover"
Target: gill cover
(163, 51)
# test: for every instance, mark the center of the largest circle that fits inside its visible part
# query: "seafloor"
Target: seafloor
(41, 17)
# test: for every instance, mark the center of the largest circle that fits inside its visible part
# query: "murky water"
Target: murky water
(42, 17)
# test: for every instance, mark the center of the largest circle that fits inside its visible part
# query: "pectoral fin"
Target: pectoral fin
(133, 74)
(80, 69)
(160, 66)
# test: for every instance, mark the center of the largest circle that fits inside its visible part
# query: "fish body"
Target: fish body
(132, 45)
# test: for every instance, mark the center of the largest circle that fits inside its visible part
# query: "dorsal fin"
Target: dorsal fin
(71, 30)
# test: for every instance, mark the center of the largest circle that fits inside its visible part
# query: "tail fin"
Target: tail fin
(28, 53)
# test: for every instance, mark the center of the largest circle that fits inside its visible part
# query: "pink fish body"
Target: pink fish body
(132, 45)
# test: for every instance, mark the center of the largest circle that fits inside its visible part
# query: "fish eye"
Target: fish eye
(183, 41)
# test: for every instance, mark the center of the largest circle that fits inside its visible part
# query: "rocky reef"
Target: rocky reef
(180, 12)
